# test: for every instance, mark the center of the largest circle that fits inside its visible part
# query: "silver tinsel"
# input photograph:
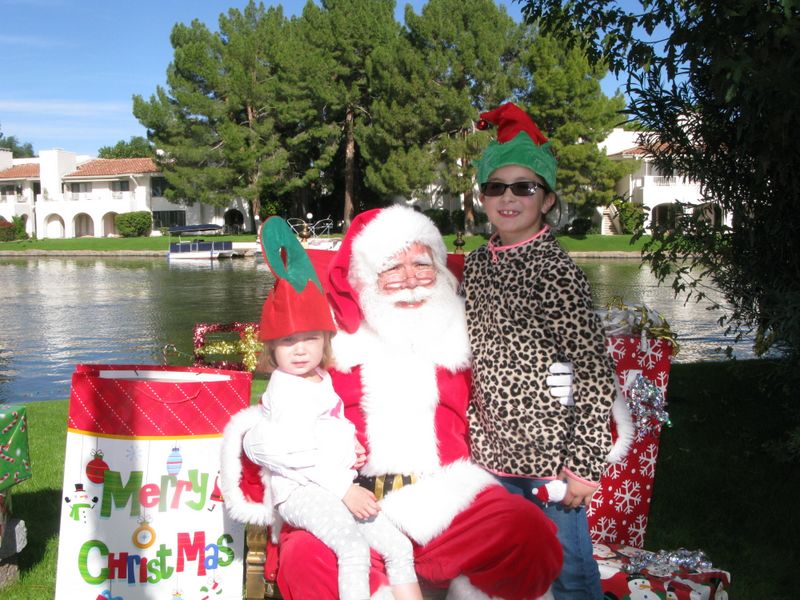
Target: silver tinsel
(647, 405)
(668, 561)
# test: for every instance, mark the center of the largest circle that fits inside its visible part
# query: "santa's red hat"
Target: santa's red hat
(372, 239)
(297, 302)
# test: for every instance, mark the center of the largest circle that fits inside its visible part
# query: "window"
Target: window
(81, 188)
(158, 185)
(117, 187)
(10, 190)
(168, 218)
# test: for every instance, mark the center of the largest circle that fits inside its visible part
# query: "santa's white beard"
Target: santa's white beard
(417, 326)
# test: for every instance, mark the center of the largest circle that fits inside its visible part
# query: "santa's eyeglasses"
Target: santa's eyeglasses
(423, 273)
(518, 188)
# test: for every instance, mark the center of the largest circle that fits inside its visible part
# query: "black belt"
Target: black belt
(381, 485)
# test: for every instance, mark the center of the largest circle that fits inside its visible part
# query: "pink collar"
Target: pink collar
(494, 248)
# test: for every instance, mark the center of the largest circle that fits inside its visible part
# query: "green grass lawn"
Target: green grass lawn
(584, 243)
(722, 485)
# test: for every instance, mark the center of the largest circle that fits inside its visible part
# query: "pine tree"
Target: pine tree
(563, 95)
(216, 122)
(341, 37)
(470, 49)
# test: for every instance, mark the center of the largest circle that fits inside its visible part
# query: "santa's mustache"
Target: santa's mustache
(418, 294)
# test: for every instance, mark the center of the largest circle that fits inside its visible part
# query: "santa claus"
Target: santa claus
(402, 369)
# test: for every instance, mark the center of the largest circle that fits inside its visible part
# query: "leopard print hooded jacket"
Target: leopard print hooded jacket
(530, 305)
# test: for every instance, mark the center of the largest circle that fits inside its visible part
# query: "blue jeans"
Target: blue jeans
(580, 577)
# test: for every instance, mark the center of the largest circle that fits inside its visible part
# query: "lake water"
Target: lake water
(59, 312)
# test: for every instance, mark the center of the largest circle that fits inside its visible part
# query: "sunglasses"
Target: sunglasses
(518, 188)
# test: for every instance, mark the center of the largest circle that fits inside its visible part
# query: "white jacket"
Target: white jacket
(302, 436)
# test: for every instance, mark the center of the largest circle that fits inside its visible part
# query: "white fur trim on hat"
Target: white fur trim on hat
(393, 230)
(239, 507)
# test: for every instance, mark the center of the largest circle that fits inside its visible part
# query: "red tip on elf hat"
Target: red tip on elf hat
(297, 302)
(510, 119)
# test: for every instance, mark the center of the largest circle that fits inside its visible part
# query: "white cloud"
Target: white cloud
(65, 108)
(29, 41)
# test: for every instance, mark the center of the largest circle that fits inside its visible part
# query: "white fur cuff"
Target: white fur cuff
(239, 507)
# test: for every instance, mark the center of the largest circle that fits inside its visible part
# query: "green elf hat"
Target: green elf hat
(297, 302)
(519, 142)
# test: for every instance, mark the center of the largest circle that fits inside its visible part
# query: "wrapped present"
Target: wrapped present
(627, 572)
(15, 463)
(15, 467)
(641, 344)
(245, 349)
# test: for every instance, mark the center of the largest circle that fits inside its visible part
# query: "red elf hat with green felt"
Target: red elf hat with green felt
(297, 302)
(519, 142)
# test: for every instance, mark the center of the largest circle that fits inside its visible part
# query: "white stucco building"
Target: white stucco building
(63, 195)
(655, 192)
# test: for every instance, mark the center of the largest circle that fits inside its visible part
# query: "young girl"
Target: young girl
(303, 437)
(528, 306)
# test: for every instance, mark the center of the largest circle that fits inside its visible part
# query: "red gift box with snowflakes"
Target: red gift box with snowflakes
(627, 572)
(142, 513)
(619, 510)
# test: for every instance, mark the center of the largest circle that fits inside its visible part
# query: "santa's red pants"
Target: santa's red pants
(503, 543)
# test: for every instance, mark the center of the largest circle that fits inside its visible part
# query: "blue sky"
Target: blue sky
(69, 68)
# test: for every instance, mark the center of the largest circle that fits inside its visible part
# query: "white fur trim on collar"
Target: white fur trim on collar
(393, 230)
(239, 507)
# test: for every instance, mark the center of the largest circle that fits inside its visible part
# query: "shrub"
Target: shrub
(7, 231)
(441, 218)
(13, 230)
(631, 216)
(134, 224)
(580, 226)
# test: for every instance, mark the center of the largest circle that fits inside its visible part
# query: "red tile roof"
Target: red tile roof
(635, 150)
(21, 171)
(114, 166)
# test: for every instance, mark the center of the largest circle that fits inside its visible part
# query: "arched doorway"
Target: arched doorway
(664, 216)
(83, 225)
(54, 227)
(109, 224)
(234, 220)
(709, 212)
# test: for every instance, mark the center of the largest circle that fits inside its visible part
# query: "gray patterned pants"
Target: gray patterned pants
(322, 514)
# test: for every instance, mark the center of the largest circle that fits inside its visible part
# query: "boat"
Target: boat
(199, 249)
(311, 234)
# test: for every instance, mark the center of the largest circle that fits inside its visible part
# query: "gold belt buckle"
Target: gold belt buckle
(389, 483)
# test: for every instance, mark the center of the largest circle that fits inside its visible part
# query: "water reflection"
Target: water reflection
(59, 312)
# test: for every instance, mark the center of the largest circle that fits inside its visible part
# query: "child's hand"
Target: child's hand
(578, 492)
(361, 456)
(361, 502)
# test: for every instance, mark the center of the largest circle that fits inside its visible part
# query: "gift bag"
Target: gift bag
(641, 344)
(141, 514)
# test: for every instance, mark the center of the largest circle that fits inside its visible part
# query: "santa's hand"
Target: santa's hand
(361, 502)
(560, 382)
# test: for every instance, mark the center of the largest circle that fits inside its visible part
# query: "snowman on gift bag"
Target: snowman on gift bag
(80, 503)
